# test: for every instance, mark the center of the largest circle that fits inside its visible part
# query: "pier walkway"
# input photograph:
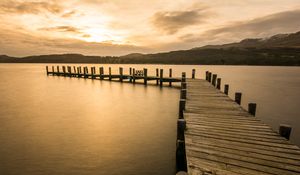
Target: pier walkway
(223, 138)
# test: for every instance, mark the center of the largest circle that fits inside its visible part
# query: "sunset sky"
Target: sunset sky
(119, 27)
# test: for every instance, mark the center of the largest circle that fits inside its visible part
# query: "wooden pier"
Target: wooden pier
(215, 135)
(132, 76)
(222, 138)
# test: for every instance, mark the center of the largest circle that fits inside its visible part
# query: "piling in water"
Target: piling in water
(161, 76)
(209, 77)
(130, 73)
(285, 131)
(181, 164)
(238, 97)
(109, 73)
(121, 74)
(47, 71)
(181, 107)
(101, 72)
(193, 73)
(145, 76)
(214, 79)
(183, 85)
(252, 108)
(219, 83)
(181, 124)
(92, 72)
(226, 89)
(183, 77)
(183, 94)
(170, 75)
(157, 75)
(133, 75)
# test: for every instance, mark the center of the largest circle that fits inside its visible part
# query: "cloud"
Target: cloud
(172, 21)
(16, 43)
(29, 7)
(69, 14)
(283, 22)
(66, 29)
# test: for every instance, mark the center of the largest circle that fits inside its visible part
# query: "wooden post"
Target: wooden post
(181, 125)
(181, 107)
(157, 75)
(285, 131)
(47, 70)
(130, 74)
(161, 77)
(206, 75)
(92, 72)
(101, 71)
(121, 73)
(170, 75)
(52, 70)
(94, 69)
(183, 85)
(209, 77)
(193, 73)
(130, 71)
(109, 73)
(238, 97)
(226, 89)
(74, 69)
(183, 94)
(133, 75)
(57, 69)
(252, 108)
(145, 76)
(78, 72)
(214, 79)
(70, 71)
(87, 70)
(64, 70)
(219, 83)
(84, 72)
(183, 78)
(181, 163)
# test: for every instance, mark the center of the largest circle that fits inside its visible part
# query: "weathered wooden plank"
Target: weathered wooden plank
(259, 149)
(210, 155)
(220, 168)
(245, 152)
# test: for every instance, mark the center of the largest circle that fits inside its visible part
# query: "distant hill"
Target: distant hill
(281, 49)
(280, 40)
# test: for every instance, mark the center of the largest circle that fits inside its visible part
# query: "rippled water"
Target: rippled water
(61, 125)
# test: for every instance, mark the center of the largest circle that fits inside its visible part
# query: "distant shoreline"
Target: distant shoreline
(283, 56)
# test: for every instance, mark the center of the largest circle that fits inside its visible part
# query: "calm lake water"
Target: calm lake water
(61, 125)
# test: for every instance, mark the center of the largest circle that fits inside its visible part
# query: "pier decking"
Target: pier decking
(222, 138)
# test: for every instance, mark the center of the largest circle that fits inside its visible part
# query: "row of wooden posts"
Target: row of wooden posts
(284, 130)
(132, 75)
(181, 162)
